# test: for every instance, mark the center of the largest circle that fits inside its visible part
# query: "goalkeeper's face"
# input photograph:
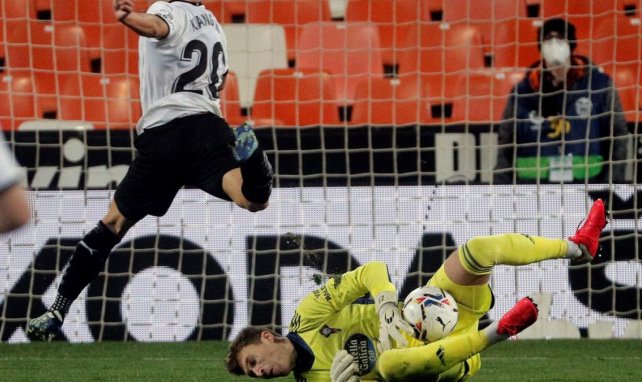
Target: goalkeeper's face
(270, 358)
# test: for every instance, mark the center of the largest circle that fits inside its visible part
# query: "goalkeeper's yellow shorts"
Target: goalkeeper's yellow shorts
(473, 301)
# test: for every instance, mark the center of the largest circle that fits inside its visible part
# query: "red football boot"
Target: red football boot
(587, 236)
(520, 317)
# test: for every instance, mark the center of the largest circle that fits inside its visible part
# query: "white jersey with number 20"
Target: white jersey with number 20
(180, 74)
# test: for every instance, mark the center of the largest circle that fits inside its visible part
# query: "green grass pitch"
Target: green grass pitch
(525, 360)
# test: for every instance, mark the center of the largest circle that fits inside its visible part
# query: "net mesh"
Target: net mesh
(382, 121)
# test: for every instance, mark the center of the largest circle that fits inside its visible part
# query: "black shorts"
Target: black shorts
(190, 151)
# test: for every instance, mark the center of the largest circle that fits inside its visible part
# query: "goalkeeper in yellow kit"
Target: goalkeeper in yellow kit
(333, 339)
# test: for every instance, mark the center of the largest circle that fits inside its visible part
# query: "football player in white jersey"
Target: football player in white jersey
(14, 208)
(182, 140)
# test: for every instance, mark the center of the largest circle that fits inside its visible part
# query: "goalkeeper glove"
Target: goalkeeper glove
(391, 322)
(343, 368)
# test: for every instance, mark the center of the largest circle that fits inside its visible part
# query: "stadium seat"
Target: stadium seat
(617, 40)
(432, 10)
(45, 46)
(82, 12)
(31, 35)
(17, 99)
(483, 15)
(119, 53)
(393, 18)
(252, 48)
(626, 78)
(440, 51)
(384, 101)
(349, 52)
(109, 102)
(481, 97)
(18, 9)
(294, 98)
(65, 10)
(91, 15)
(230, 103)
(566, 8)
(515, 44)
(291, 14)
(477, 11)
(50, 52)
(14, 15)
(220, 9)
(142, 5)
(238, 8)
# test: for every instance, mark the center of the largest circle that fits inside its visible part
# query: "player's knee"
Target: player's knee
(256, 207)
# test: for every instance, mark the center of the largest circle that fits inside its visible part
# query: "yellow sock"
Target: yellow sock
(432, 359)
(480, 254)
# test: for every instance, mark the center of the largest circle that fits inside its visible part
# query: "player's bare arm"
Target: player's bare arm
(142, 23)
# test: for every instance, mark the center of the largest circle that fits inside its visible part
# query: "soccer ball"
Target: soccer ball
(431, 311)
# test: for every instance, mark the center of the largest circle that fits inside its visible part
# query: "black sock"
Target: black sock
(257, 177)
(62, 304)
(87, 261)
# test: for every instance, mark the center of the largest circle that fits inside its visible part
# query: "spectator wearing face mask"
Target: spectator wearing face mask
(563, 122)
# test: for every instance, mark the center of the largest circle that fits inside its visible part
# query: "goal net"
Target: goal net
(385, 122)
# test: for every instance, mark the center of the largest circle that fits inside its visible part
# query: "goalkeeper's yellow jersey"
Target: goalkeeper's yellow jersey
(328, 320)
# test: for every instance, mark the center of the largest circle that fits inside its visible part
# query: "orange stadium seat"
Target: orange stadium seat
(45, 46)
(489, 10)
(230, 102)
(64, 11)
(220, 9)
(394, 19)
(20, 41)
(119, 54)
(83, 12)
(19, 9)
(14, 15)
(94, 11)
(91, 15)
(562, 8)
(292, 14)
(349, 52)
(617, 40)
(294, 98)
(438, 52)
(627, 80)
(17, 99)
(483, 15)
(50, 52)
(238, 8)
(515, 44)
(481, 97)
(384, 101)
(110, 102)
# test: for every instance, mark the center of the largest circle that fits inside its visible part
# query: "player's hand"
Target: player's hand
(122, 8)
(391, 322)
(343, 368)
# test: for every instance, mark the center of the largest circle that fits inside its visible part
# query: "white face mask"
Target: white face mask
(556, 52)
